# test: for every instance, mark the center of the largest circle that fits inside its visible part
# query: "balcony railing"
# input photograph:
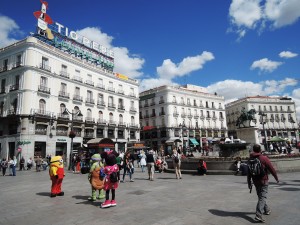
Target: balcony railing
(100, 86)
(89, 135)
(45, 67)
(64, 74)
(162, 113)
(101, 121)
(133, 109)
(44, 89)
(41, 112)
(196, 116)
(111, 105)
(77, 78)
(120, 91)
(78, 118)
(111, 89)
(161, 101)
(132, 95)
(90, 101)
(63, 94)
(153, 114)
(101, 103)
(89, 120)
(77, 98)
(62, 116)
(152, 103)
(122, 124)
(133, 125)
(121, 107)
(112, 122)
(41, 131)
(175, 114)
(14, 87)
(4, 68)
(89, 82)
(61, 133)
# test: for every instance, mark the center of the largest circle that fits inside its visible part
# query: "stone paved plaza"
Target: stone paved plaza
(208, 200)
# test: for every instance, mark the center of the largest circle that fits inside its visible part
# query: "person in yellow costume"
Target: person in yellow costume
(57, 173)
(97, 183)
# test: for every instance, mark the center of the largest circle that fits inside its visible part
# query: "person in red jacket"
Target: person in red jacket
(261, 183)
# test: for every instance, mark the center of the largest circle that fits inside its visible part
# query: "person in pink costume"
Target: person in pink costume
(111, 179)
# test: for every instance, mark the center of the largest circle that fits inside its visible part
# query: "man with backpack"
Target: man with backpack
(259, 166)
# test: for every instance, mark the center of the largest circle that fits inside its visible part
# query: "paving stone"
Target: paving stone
(211, 199)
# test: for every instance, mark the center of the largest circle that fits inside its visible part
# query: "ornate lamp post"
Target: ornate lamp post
(72, 134)
(263, 122)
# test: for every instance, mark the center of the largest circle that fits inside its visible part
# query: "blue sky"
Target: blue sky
(236, 48)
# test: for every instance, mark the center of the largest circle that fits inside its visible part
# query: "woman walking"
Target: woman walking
(143, 162)
(4, 166)
(177, 163)
(127, 167)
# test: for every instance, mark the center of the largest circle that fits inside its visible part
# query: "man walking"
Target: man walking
(261, 182)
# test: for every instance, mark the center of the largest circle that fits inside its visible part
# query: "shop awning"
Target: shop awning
(173, 140)
(194, 141)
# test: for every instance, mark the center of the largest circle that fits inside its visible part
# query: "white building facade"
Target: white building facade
(275, 116)
(185, 116)
(39, 81)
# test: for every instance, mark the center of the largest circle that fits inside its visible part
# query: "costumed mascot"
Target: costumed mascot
(111, 178)
(57, 173)
(97, 183)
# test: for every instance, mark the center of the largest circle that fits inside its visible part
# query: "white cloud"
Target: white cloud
(8, 28)
(245, 13)
(125, 63)
(169, 70)
(265, 65)
(235, 89)
(149, 83)
(282, 12)
(252, 14)
(287, 54)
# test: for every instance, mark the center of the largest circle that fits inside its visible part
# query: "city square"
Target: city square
(211, 199)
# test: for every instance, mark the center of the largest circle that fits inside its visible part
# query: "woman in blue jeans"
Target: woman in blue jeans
(127, 167)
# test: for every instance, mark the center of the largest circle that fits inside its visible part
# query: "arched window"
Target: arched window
(120, 119)
(89, 113)
(111, 117)
(42, 106)
(100, 114)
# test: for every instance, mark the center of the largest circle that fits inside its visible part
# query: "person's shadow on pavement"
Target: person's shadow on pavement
(222, 213)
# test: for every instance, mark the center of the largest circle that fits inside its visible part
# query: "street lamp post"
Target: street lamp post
(263, 122)
(72, 133)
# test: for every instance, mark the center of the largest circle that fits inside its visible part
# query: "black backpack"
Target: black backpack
(255, 167)
(113, 177)
(176, 159)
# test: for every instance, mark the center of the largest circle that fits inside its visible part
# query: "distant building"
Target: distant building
(185, 116)
(276, 116)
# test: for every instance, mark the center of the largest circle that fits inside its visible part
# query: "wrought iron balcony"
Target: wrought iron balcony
(111, 105)
(64, 74)
(90, 101)
(45, 67)
(100, 86)
(63, 94)
(44, 89)
(77, 78)
(89, 82)
(101, 121)
(111, 89)
(14, 87)
(89, 120)
(77, 98)
(101, 103)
